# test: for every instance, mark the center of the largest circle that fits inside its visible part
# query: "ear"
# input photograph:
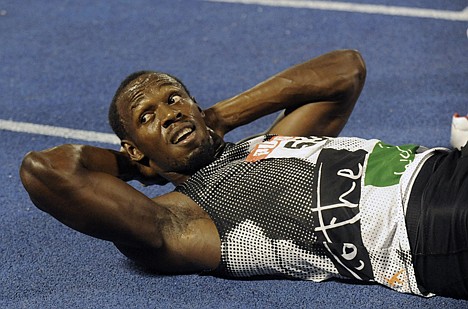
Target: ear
(149, 175)
(134, 153)
(202, 112)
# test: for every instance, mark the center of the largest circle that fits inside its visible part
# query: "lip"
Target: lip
(181, 133)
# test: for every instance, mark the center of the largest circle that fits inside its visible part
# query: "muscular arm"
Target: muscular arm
(80, 186)
(84, 188)
(317, 97)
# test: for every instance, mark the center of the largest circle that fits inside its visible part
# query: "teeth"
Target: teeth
(181, 134)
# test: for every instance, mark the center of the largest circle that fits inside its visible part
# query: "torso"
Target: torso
(295, 208)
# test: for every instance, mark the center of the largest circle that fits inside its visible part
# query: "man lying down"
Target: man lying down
(295, 201)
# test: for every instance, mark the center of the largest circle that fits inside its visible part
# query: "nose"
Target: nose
(168, 115)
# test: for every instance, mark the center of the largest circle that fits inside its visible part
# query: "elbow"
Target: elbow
(32, 171)
(42, 171)
(354, 74)
(360, 67)
(31, 167)
(355, 64)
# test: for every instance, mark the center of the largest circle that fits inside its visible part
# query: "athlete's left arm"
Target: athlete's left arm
(317, 98)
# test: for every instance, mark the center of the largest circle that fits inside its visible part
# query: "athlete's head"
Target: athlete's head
(158, 121)
(115, 120)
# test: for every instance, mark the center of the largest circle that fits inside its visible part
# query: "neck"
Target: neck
(177, 178)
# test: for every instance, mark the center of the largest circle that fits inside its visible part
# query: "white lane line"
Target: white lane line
(41, 129)
(360, 8)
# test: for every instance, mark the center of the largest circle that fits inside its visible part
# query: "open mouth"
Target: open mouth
(182, 135)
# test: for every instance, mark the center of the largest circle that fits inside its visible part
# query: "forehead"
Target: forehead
(149, 82)
(146, 84)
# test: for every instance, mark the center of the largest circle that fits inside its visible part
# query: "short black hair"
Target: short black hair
(115, 120)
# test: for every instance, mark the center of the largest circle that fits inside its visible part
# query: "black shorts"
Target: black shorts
(437, 223)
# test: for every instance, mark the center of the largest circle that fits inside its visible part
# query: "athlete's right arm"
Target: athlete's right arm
(84, 188)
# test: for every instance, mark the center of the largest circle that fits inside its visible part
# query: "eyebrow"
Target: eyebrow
(138, 95)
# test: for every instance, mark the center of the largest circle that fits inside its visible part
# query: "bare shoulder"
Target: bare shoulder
(190, 239)
(181, 205)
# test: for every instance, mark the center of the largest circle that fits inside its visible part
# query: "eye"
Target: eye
(145, 117)
(174, 98)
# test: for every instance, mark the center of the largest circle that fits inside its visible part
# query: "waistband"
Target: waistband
(414, 203)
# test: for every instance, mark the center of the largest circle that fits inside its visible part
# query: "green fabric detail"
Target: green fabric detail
(387, 163)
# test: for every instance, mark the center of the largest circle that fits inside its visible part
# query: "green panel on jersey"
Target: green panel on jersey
(387, 163)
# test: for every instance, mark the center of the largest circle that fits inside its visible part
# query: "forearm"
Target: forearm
(61, 166)
(334, 77)
(82, 187)
(77, 158)
(108, 161)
